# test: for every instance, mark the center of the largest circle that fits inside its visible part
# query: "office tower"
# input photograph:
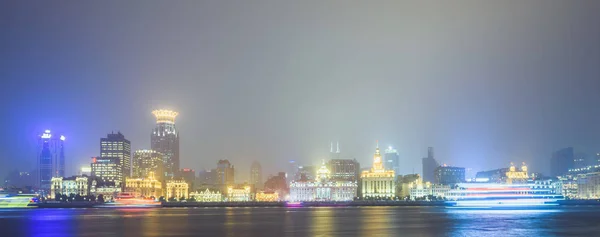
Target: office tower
(429, 165)
(225, 175)
(207, 177)
(146, 162)
(108, 169)
(449, 175)
(116, 146)
(562, 160)
(256, 175)
(392, 160)
(51, 159)
(165, 139)
(344, 169)
(189, 175)
(292, 171)
(378, 182)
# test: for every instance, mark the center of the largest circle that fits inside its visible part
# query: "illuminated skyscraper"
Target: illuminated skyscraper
(225, 175)
(165, 139)
(147, 161)
(256, 174)
(116, 146)
(378, 182)
(51, 159)
(392, 160)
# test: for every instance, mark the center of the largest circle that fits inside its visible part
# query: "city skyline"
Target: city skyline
(249, 87)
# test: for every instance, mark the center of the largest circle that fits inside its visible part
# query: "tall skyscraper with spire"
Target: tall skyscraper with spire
(165, 139)
(51, 159)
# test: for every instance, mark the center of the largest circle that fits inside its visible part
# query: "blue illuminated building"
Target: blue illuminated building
(51, 159)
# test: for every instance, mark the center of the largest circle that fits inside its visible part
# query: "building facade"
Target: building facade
(116, 146)
(144, 187)
(267, 197)
(108, 169)
(77, 185)
(429, 164)
(323, 188)
(449, 175)
(207, 196)
(378, 182)
(146, 162)
(256, 175)
(165, 139)
(177, 189)
(51, 159)
(239, 193)
(588, 186)
(189, 175)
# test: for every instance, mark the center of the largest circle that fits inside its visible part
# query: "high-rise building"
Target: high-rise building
(116, 146)
(392, 160)
(51, 159)
(344, 169)
(256, 175)
(165, 139)
(146, 161)
(189, 175)
(562, 161)
(292, 171)
(225, 175)
(429, 165)
(207, 177)
(378, 182)
(108, 169)
(449, 175)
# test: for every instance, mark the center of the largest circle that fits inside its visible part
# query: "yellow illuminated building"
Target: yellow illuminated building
(165, 116)
(67, 186)
(378, 182)
(207, 196)
(177, 189)
(144, 187)
(239, 194)
(267, 197)
(323, 188)
(517, 176)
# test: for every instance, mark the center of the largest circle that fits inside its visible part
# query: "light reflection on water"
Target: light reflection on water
(321, 221)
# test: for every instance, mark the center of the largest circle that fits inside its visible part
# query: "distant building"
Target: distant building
(344, 169)
(207, 177)
(51, 159)
(177, 189)
(117, 147)
(277, 184)
(146, 162)
(85, 170)
(378, 182)
(492, 176)
(76, 185)
(108, 169)
(144, 187)
(207, 196)
(562, 161)
(449, 175)
(588, 186)
(334, 155)
(403, 183)
(391, 160)
(308, 172)
(256, 175)
(292, 171)
(225, 173)
(323, 188)
(165, 139)
(429, 165)
(189, 175)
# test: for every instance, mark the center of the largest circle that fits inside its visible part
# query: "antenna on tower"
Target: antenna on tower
(377, 141)
(331, 147)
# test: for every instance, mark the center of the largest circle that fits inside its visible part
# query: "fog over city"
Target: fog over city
(484, 82)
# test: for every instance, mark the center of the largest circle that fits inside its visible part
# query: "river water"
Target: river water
(317, 221)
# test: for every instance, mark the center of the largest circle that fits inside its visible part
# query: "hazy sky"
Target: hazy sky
(484, 82)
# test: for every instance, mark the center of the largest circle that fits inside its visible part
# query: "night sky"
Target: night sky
(484, 82)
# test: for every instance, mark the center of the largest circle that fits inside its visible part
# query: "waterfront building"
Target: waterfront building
(77, 185)
(116, 147)
(256, 174)
(403, 183)
(568, 185)
(146, 162)
(378, 182)
(207, 196)
(588, 186)
(278, 184)
(165, 139)
(51, 159)
(323, 188)
(225, 173)
(177, 188)
(144, 187)
(189, 175)
(108, 169)
(391, 160)
(517, 176)
(109, 189)
(344, 169)
(449, 175)
(267, 197)
(562, 161)
(239, 193)
(429, 164)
